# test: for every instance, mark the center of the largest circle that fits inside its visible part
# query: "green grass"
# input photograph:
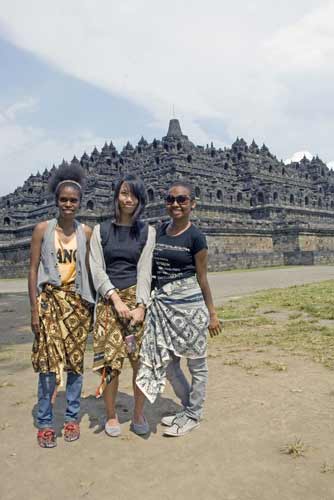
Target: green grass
(288, 318)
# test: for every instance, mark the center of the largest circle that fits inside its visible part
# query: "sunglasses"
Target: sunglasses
(180, 199)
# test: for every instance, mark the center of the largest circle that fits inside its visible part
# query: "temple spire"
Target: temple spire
(174, 129)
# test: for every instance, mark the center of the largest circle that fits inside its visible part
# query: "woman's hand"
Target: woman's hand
(138, 315)
(214, 325)
(122, 309)
(35, 256)
(201, 261)
(35, 322)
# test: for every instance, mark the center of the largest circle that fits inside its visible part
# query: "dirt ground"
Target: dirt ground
(236, 454)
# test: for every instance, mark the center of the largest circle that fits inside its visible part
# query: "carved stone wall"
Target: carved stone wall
(254, 209)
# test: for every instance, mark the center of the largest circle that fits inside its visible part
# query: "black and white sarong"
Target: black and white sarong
(177, 322)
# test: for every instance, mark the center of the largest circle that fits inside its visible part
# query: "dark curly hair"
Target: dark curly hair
(74, 174)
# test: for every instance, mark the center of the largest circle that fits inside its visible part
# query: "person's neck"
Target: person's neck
(125, 220)
(177, 226)
(67, 225)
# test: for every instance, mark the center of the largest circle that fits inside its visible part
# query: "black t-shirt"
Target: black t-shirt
(122, 250)
(174, 256)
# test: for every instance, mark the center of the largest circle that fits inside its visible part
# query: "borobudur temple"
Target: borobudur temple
(254, 209)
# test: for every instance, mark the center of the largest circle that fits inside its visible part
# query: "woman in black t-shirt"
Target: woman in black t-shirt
(121, 264)
(180, 315)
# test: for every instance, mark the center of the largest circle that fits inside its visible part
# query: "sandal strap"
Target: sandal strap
(71, 426)
(71, 430)
(46, 434)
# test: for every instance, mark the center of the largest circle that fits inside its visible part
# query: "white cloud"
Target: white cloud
(24, 149)
(299, 155)
(261, 69)
(307, 44)
(27, 104)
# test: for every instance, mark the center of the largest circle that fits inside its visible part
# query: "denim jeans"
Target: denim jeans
(192, 396)
(46, 387)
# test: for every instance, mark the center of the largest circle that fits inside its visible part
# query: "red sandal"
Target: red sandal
(71, 431)
(46, 438)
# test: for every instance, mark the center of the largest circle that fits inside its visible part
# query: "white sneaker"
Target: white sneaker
(169, 420)
(181, 426)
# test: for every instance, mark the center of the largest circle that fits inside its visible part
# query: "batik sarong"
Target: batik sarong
(176, 322)
(109, 334)
(65, 321)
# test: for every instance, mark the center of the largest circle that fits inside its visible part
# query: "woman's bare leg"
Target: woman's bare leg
(110, 395)
(138, 412)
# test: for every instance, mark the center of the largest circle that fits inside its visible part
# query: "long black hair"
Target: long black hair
(67, 175)
(137, 188)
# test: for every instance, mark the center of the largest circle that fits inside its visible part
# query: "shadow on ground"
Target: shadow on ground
(95, 411)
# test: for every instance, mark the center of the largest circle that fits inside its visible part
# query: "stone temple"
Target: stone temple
(254, 209)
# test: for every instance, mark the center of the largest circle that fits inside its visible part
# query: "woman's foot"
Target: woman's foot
(46, 438)
(181, 426)
(139, 425)
(71, 431)
(112, 427)
(138, 418)
(169, 420)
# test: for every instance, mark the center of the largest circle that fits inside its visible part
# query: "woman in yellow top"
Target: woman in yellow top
(61, 311)
(66, 256)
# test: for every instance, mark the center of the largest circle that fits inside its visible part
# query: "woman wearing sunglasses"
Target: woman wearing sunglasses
(180, 314)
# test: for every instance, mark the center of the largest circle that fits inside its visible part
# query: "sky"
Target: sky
(76, 74)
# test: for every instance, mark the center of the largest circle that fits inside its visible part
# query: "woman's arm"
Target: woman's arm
(201, 263)
(144, 277)
(35, 255)
(144, 269)
(88, 233)
(102, 283)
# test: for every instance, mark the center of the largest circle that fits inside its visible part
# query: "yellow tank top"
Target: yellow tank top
(66, 257)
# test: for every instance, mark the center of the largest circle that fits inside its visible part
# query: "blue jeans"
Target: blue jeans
(192, 396)
(46, 387)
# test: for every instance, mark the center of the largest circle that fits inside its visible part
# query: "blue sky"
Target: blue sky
(65, 103)
(74, 75)
(74, 114)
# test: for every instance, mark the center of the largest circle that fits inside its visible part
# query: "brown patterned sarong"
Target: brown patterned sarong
(65, 321)
(109, 333)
